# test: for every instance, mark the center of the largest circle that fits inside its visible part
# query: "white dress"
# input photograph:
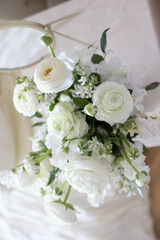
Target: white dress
(22, 216)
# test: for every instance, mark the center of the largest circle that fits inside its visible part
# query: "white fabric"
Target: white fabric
(23, 218)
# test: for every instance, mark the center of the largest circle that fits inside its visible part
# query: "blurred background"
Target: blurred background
(18, 9)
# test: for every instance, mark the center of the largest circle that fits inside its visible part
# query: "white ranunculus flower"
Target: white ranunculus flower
(52, 76)
(59, 213)
(86, 175)
(65, 122)
(114, 103)
(25, 101)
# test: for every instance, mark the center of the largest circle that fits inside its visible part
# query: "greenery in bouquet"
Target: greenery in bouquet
(92, 119)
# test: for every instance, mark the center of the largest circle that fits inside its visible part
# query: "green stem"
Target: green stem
(51, 49)
(67, 194)
(61, 188)
(126, 156)
(44, 155)
(125, 140)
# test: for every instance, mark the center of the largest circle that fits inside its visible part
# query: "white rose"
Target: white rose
(59, 213)
(63, 120)
(52, 76)
(86, 175)
(114, 103)
(25, 101)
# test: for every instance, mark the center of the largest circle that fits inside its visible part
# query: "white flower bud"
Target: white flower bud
(118, 161)
(142, 178)
(82, 147)
(90, 110)
(46, 40)
(25, 101)
(59, 212)
(32, 166)
(133, 153)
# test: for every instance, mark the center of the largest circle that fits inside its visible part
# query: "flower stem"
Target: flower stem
(125, 140)
(67, 194)
(51, 49)
(44, 155)
(61, 188)
(127, 158)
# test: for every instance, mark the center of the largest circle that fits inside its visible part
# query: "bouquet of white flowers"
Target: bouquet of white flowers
(88, 139)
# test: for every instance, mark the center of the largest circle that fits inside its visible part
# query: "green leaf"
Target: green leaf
(96, 58)
(80, 102)
(103, 41)
(130, 91)
(13, 170)
(51, 107)
(152, 86)
(51, 176)
(69, 205)
(38, 114)
(145, 149)
(38, 124)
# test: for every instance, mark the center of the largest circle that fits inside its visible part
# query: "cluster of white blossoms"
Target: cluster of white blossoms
(92, 115)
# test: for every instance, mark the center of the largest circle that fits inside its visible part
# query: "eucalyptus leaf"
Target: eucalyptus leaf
(145, 149)
(103, 41)
(51, 176)
(38, 124)
(96, 58)
(152, 86)
(69, 205)
(38, 114)
(80, 102)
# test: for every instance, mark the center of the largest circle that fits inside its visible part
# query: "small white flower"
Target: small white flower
(147, 127)
(114, 103)
(65, 122)
(155, 113)
(52, 76)
(86, 175)
(83, 80)
(82, 91)
(142, 178)
(59, 213)
(25, 101)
